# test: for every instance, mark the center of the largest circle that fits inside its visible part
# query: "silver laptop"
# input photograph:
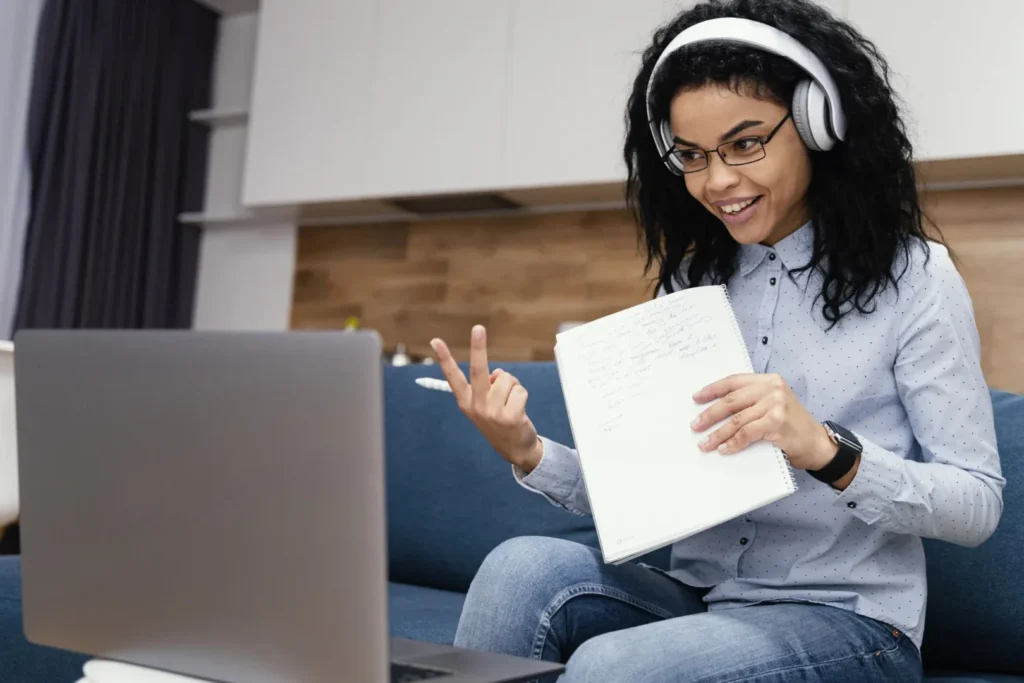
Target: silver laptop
(212, 504)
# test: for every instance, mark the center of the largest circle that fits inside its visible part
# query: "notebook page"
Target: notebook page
(628, 380)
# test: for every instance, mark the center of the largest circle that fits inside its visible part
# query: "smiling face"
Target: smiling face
(761, 202)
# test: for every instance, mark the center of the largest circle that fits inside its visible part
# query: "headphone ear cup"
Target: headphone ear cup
(800, 114)
(666, 144)
(810, 116)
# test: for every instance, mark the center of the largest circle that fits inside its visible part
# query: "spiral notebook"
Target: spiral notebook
(628, 381)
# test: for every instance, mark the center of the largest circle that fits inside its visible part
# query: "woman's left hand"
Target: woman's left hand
(760, 407)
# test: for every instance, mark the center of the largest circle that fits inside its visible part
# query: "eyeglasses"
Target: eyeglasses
(737, 152)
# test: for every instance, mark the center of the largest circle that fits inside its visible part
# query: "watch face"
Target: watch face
(842, 436)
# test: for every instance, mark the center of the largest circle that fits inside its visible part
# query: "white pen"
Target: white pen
(435, 384)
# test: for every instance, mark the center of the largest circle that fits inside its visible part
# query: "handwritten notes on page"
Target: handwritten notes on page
(678, 342)
(628, 380)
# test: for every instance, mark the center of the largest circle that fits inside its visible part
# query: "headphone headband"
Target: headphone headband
(760, 36)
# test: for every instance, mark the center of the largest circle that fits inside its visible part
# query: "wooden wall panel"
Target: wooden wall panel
(520, 276)
(985, 230)
(523, 275)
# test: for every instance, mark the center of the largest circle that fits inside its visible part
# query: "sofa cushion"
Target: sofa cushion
(964, 677)
(975, 618)
(427, 614)
(24, 662)
(451, 498)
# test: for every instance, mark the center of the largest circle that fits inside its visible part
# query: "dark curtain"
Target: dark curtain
(114, 159)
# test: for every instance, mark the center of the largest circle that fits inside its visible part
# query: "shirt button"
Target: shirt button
(772, 281)
(743, 541)
(764, 340)
(851, 505)
(771, 257)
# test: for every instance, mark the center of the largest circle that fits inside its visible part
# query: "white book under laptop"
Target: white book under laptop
(628, 380)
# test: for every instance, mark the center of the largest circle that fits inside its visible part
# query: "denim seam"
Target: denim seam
(571, 592)
(896, 646)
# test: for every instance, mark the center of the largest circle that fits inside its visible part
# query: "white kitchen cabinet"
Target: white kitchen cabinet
(439, 96)
(311, 116)
(571, 72)
(572, 67)
(956, 64)
(379, 99)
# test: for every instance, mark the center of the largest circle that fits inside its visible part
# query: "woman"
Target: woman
(867, 376)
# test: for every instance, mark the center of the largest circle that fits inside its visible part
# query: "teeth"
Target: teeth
(733, 208)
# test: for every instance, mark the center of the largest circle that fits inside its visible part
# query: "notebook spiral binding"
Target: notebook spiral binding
(789, 471)
(784, 463)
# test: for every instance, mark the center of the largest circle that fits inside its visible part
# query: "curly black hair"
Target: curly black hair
(863, 193)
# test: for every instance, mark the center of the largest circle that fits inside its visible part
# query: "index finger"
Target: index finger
(722, 387)
(452, 372)
(479, 374)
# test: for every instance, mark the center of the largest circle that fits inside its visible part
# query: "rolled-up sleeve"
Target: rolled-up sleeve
(953, 492)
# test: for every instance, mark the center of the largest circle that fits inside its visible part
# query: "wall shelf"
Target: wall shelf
(213, 218)
(239, 216)
(221, 116)
(229, 7)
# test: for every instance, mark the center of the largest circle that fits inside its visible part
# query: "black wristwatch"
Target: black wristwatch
(849, 450)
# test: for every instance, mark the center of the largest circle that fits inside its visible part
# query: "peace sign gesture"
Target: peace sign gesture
(494, 402)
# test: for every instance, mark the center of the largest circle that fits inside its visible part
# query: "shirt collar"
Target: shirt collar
(794, 251)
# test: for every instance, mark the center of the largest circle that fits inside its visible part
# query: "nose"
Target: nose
(721, 176)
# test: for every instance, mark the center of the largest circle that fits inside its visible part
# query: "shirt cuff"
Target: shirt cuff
(555, 476)
(871, 493)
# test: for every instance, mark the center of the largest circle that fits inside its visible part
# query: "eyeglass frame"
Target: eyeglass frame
(763, 139)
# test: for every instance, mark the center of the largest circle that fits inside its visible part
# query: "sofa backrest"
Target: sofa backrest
(451, 498)
(975, 618)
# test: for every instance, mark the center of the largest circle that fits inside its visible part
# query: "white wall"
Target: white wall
(245, 278)
(246, 266)
(18, 21)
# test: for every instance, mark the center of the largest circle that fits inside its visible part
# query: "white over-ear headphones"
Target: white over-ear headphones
(817, 110)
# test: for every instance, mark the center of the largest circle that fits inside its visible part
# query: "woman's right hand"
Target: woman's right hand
(495, 404)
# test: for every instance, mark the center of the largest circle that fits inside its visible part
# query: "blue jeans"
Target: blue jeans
(556, 600)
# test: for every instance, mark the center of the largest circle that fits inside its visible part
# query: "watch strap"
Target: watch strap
(849, 448)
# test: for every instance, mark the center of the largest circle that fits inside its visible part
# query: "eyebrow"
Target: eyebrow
(739, 127)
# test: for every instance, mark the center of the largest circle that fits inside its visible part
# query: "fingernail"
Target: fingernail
(696, 421)
(433, 344)
(704, 442)
(723, 448)
(478, 332)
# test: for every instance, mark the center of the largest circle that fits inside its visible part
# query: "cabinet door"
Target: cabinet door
(572, 67)
(438, 97)
(957, 68)
(310, 117)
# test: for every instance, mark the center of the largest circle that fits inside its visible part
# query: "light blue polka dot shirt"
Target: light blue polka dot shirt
(907, 380)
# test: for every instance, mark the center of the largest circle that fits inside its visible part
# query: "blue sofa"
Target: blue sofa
(451, 499)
